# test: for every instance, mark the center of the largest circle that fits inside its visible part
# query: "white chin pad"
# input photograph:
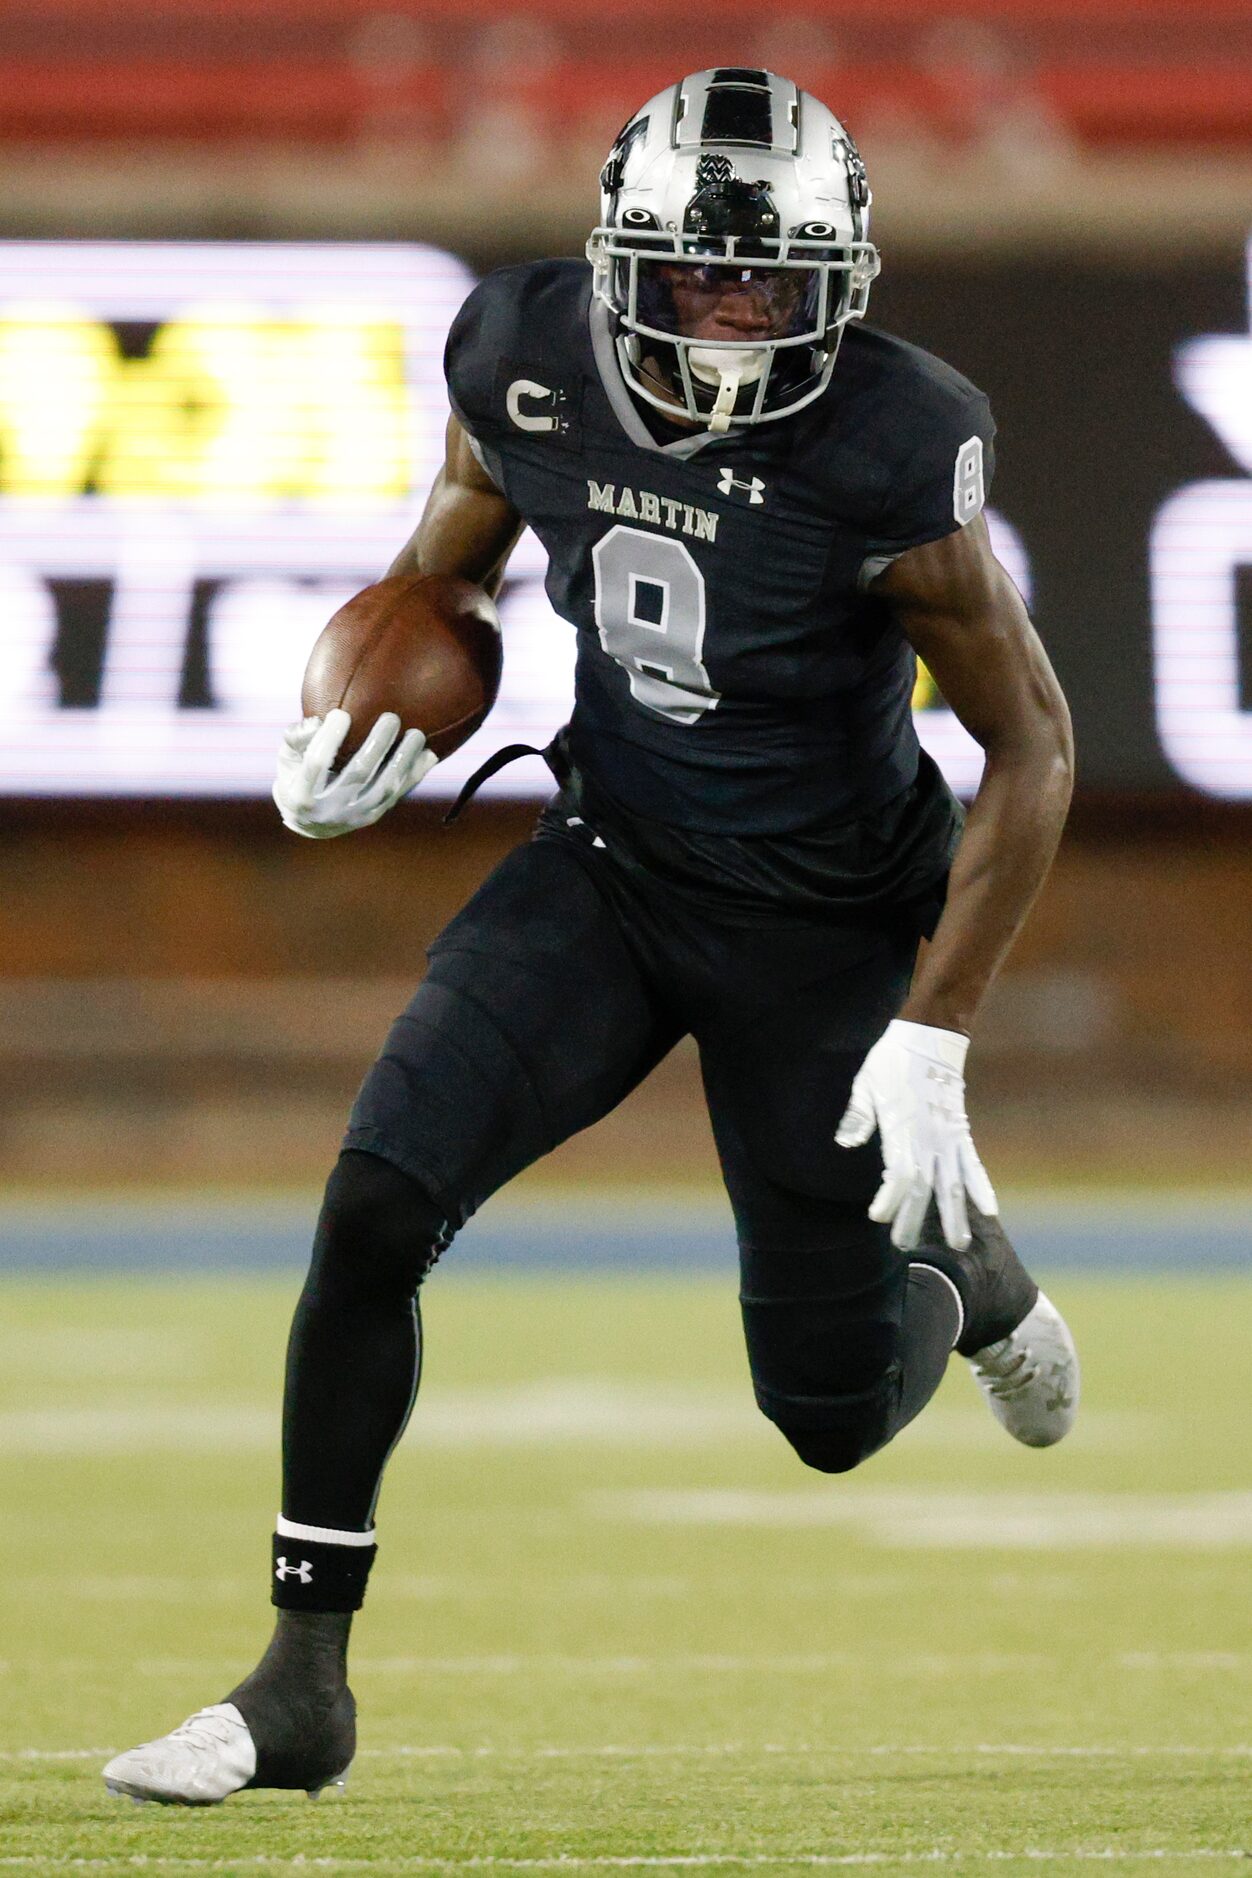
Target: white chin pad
(729, 371)
(710, 363)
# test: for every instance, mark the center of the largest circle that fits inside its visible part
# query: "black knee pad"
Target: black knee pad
(834, 1434)
(379, 1231)
(823, 1336)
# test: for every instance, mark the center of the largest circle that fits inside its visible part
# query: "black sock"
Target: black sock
(297, 1704)
(307, 1655)
(941, 1258)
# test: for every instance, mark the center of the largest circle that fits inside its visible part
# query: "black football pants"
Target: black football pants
(548, 998)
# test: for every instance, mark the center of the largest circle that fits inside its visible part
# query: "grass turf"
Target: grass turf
(613, 1620)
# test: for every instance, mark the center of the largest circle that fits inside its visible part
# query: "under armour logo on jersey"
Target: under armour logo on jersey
(303, 1571)
(728, 481)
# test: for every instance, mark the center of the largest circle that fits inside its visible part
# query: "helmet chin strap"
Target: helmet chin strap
(728, 370)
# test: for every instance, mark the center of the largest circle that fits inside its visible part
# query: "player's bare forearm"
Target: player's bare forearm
(967, 621)
(1010, 839)
(468, 527)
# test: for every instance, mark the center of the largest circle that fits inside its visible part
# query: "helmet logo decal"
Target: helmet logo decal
(712, 170)
(614, 171)
(846, 152)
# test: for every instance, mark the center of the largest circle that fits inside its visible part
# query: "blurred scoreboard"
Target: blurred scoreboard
(205, 448)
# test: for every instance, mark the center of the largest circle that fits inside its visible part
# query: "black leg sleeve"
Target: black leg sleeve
(533, 1021)
(840, 1373)
(928, 1330)
(846, 1341)
(354, 1355)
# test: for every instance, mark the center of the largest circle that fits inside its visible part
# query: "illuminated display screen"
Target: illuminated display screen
(1201, 542)
(205, 448)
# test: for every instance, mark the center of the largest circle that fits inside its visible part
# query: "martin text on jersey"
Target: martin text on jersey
(641, 505)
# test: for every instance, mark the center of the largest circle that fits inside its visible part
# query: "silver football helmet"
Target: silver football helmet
(733, 246)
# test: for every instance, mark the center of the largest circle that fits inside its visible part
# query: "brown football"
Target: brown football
(426, 646)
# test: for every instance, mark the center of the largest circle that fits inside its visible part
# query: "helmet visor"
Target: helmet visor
(716, 303)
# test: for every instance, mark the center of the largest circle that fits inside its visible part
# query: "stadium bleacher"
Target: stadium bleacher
(1138, 75)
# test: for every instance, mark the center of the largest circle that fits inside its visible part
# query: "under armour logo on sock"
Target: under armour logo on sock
(303, 1571)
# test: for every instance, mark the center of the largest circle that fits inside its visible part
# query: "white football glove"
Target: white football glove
(313, 802)
(911, 1087)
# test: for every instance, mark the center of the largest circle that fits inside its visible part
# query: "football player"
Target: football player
(757, 512)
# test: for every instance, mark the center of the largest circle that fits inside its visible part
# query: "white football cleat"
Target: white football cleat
(1030, 1378)
(199, 1764)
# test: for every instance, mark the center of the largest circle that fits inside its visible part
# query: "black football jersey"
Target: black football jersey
(736, 675)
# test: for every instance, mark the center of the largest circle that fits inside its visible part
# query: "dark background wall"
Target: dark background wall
(1076, 356)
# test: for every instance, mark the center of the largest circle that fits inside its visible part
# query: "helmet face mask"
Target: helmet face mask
(730, 271)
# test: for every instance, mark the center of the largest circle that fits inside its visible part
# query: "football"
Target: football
(426, 646)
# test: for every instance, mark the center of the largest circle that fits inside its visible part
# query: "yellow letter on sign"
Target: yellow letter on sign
(57, 370)
(236, 406)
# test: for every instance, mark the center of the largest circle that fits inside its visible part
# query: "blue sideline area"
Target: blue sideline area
(615, 1231)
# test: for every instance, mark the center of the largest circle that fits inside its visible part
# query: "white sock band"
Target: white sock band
(324, 1535)
(960, 1308)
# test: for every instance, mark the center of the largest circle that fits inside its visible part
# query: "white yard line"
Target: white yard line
(128, 1587)
(1033, 1579)
(714, 1750)
(935, 1517)
(548, 1412)
(1030, 1855)
(19, 1755)
(1203, 1660)
(809, 1663)
(901, 1663)
(840, 1750)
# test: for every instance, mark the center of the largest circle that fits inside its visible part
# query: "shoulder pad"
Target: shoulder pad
(531, 314)
(919, 432)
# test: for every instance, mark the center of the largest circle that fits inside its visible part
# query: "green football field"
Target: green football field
(614, 1622)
